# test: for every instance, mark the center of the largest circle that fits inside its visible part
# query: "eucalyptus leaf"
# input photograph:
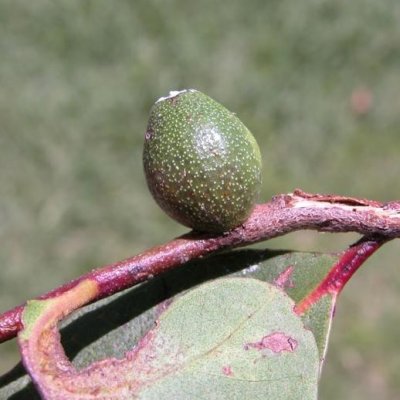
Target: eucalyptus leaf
(111, 327)
(235, 338)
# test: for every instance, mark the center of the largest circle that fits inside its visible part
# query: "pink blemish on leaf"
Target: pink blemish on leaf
(283, 279)
(227, 370)
(162, 307)
(276, 342)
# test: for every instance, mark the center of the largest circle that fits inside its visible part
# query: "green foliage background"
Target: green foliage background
(77, 80)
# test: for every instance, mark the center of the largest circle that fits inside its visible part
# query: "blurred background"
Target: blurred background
(317, 82)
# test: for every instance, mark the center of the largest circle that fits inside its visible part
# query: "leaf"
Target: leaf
(298, 274)
(230, 337)
(111, 327)
(234, 338)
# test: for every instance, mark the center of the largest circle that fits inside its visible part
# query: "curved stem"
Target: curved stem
(283, 214)
(349, 262)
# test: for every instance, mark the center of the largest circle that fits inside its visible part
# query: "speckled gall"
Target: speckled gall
(202, 165)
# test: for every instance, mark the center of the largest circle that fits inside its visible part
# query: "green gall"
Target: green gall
(202, 165)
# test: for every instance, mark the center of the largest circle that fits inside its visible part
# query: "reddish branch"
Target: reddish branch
(349, 262)
(283, 214)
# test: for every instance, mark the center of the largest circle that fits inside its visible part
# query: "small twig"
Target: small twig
(283, 214)
(349, 262)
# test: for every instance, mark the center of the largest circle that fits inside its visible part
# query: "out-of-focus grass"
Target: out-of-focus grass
(316, 81)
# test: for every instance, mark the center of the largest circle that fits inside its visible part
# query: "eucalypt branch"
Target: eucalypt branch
(377, 222)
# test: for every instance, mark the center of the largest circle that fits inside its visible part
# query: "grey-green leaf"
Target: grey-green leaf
(234, 338)
(111, 327)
